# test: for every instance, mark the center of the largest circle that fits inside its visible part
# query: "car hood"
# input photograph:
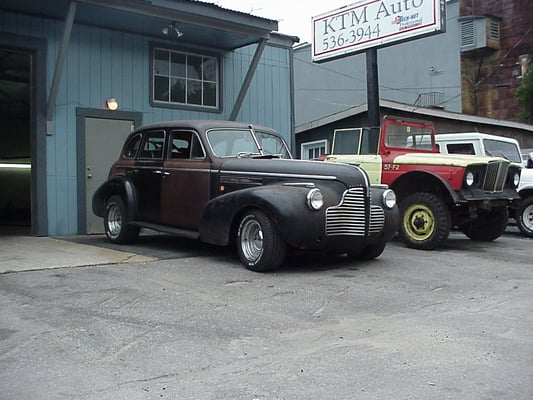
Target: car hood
(299, 170)
(456, 160)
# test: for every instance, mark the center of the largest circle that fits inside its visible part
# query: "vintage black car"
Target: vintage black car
(228, 182)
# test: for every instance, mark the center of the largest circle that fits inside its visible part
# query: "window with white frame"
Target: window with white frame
(313, 150)
(182, 78)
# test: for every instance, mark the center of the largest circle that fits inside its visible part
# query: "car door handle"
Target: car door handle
(166, 173)
(157, 172)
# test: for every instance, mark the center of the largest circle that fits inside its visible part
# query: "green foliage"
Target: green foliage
(524, 94)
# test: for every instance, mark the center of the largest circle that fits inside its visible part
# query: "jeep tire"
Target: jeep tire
(116, 228)
(524, 216)
(425, 221)
(488, 226)
(259, 243)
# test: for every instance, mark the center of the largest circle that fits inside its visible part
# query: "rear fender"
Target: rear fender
(118, 185)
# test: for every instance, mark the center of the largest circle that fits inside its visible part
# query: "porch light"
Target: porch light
(111, 104)
(173, 27)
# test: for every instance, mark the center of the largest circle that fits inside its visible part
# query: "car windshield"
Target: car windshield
(246, 143)
(502, 149)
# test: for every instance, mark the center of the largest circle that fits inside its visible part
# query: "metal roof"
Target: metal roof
(201, 23)
(412, 109)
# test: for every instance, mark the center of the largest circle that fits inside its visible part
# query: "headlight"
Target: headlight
(469, 178)
(389, 198)
(516, 179)
(315, 200)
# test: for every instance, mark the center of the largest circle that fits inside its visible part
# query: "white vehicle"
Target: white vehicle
(492, 145)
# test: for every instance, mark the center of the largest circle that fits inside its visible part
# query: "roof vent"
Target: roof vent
(479, 33)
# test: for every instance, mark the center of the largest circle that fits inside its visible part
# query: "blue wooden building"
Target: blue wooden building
(77, 76)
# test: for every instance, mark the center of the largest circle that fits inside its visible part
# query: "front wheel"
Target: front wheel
(116, 228)
(260, 246)
(524, 216)
(488, 226)
(425, 221)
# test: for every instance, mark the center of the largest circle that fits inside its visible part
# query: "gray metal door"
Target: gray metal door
(103, 141)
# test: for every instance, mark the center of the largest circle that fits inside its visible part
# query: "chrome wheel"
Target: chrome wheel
(259, 243)
(251, 240)
(114, 220)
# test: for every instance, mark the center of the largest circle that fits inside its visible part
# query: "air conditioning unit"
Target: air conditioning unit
(479, 33)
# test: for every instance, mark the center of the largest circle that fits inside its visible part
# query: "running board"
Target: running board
(184, 233)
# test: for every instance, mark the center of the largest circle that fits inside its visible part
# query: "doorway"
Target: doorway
(101, 135)
(15, 151)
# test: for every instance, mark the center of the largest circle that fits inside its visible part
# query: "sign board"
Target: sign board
(374, 23)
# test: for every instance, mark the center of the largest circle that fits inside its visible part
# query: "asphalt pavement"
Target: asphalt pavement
(174, 319)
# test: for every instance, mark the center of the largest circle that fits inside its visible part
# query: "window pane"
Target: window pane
(210, 69)
(194, 92)
(161, 88)
(210, 94)
(177, 64)
(194, 67)
(177, 92)
(160, 62)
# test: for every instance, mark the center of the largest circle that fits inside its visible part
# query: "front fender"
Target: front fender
(422, 181)
(117, 185)
(297, 224)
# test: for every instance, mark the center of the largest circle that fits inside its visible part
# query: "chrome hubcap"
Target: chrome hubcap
(252, 240)
(114, 220)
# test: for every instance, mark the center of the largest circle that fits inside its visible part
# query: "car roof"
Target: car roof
(204, 125)
(472, 135)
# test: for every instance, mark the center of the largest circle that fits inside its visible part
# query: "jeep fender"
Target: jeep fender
(297, 224)
(423, 181)
(118, 185)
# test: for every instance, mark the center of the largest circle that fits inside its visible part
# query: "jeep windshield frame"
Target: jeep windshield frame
(407, 134)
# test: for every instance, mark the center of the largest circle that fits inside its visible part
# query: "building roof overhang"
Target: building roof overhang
(201, 23)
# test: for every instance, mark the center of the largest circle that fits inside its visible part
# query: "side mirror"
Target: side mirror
(529, 163)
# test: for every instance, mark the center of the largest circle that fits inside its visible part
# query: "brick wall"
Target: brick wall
(489, 78)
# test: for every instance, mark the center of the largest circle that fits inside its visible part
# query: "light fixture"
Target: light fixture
(111, 104)
(173, 27)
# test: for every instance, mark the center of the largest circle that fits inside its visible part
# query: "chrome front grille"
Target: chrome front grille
(377, 219)
(495, 176)
(349, 217)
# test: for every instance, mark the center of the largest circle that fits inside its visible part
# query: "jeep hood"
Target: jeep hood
(452, 160)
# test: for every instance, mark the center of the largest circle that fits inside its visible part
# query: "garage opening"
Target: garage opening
(15, 136)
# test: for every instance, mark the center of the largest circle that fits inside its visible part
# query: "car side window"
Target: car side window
(460, 148)
(152, 145)
(185, 145)
(132, 147)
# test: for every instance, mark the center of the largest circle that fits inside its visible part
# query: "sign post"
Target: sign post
(370, 24)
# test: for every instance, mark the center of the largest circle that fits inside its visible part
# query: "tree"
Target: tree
(524, 95)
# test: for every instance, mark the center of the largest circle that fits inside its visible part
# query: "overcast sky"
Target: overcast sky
(294, 17)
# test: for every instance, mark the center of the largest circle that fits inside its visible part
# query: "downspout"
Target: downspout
(69, 21)
(248, 79)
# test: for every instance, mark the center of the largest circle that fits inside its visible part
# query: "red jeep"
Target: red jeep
(435, 191)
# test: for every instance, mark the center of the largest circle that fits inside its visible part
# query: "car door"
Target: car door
(147, 174)
(186, 177)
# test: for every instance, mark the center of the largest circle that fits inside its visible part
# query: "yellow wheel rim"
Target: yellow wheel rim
(419, 222)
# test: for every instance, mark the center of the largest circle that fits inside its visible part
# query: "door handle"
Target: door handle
(166, 173)
(157, 172)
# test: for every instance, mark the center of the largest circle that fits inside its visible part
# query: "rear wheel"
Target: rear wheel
(425, 221)
(488, 226)
(524, 216)
(116, 228)
(260, 246)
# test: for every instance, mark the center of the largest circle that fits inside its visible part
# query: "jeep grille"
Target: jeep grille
(349, 217)
(495, 176)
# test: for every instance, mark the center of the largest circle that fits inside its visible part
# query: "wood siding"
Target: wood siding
(101, 64)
